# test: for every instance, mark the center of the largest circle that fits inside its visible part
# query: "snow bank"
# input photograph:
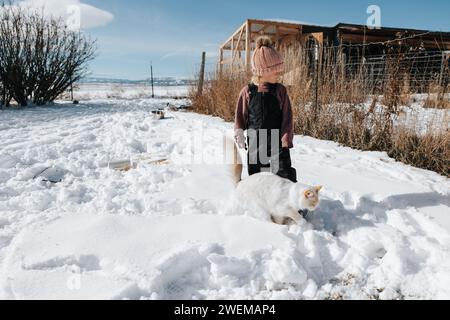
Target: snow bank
(382, 230)
(158, 257)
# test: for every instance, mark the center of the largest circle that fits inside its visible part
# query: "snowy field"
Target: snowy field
(416, 116)
(160, 231)
(413, 115)
(89, 91)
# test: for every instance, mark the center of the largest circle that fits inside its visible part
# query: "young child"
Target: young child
(264, 110)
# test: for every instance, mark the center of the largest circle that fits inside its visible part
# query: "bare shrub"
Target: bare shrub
(117, 92)
(39, 57)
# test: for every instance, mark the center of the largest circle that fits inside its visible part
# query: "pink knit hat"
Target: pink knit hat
(266, 59)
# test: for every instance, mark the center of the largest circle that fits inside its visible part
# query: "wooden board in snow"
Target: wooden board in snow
(125, 165)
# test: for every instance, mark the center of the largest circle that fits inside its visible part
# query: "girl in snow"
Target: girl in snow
(264, 110)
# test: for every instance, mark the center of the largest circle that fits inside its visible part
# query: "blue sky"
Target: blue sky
(172, 34)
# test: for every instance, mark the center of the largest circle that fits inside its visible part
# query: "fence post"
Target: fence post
(442, 68)
(221, 63)
(316, 80)
(151, 79)
(202, 74)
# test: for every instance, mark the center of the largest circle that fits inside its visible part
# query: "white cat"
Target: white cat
(271, 197)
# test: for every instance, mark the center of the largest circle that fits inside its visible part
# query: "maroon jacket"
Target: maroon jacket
(241, 114)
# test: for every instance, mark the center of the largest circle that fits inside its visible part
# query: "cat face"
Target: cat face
(310, 198)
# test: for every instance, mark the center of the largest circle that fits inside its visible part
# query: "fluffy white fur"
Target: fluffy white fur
(271, 197)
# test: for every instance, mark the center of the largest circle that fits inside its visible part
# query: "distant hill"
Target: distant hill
(164, 81)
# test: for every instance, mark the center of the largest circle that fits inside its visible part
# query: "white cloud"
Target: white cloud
(90, 16)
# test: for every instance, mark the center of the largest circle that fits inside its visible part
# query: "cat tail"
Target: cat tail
(236, 161)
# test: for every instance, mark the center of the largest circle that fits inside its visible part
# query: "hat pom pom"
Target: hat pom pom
(264, 41)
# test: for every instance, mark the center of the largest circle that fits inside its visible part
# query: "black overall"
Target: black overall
(264, 125)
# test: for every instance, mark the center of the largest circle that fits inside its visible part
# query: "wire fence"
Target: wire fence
(419, 68)
(413, 69)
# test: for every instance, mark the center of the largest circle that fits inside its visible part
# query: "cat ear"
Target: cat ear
(318, 188)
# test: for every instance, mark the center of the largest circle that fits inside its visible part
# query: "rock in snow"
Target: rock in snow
(382, 230)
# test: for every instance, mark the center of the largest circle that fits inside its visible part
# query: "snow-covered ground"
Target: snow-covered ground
(161, 231)
(414, 115)
(424, 120)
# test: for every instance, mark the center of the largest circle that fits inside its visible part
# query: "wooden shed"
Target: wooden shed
(235, 52)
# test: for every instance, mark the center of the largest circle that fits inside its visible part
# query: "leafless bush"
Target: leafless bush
(116, 92)
(40, 57)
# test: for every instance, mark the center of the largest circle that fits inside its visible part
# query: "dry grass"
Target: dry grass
(429, 151)
(342, 113)
(438, 97)
(219, 95)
